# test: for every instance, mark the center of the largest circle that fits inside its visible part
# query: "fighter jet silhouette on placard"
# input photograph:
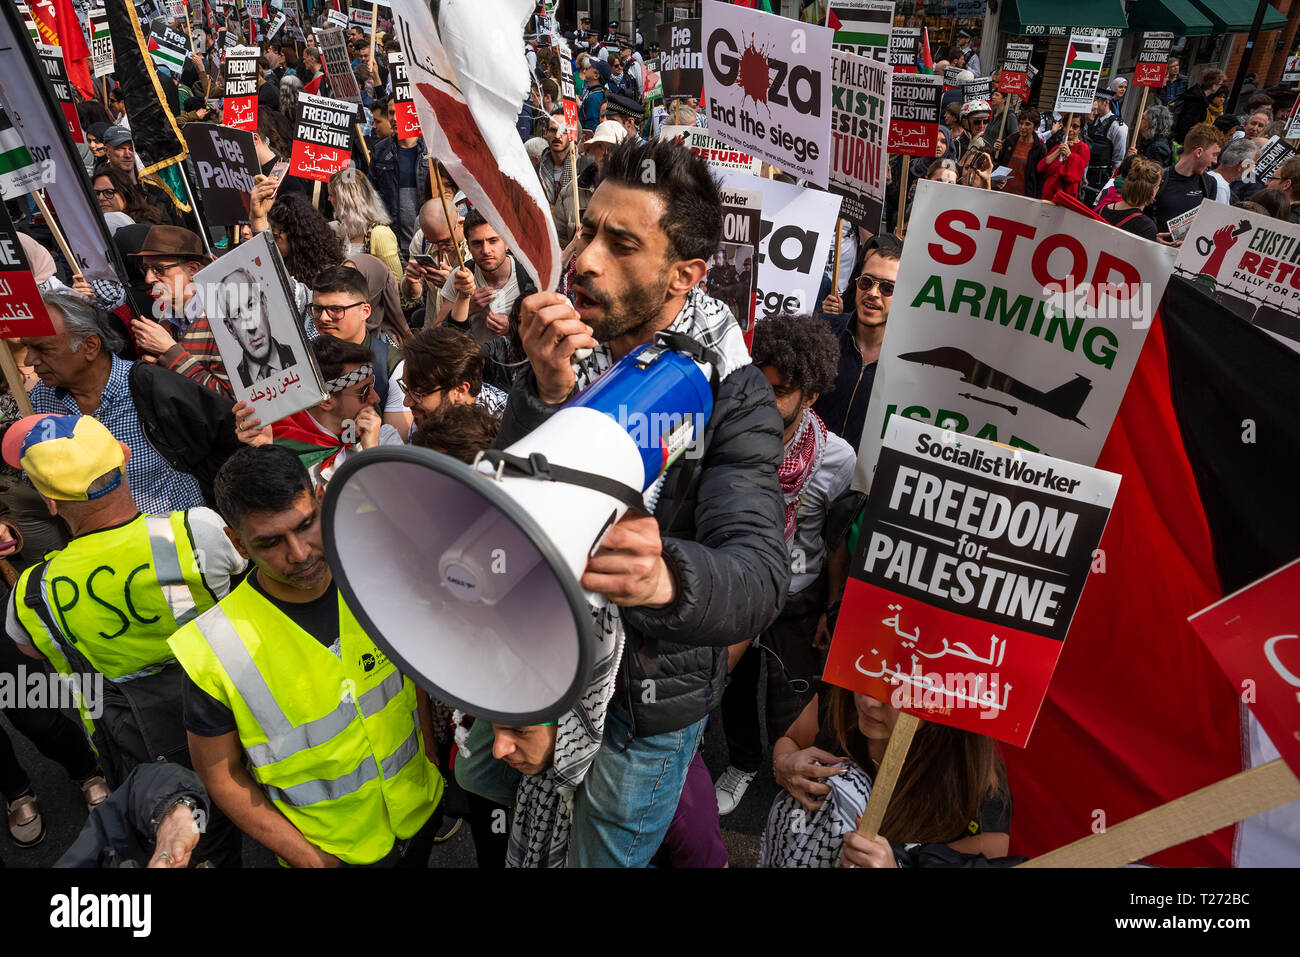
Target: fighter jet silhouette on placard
(1064, 401)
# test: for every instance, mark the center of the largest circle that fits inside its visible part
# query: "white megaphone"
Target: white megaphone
(467, 577)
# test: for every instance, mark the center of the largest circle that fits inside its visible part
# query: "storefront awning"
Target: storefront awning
(1179, 17)
(1236, 16)
(1053, 18)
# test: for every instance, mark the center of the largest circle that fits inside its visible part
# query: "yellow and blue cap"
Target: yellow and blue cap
(64, 455)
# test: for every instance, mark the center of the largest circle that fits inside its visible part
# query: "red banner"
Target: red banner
(1253, 636)
(313, 161)
(22, 312)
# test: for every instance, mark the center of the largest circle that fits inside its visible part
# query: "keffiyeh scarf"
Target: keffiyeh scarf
(803, 457)
(543, 816)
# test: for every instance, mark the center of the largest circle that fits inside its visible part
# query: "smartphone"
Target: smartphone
(425, 260)
(278, 171)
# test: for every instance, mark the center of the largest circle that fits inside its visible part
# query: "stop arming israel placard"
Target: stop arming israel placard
(1013, 78)
(322, 141)
(1082, 71)
(1014, 321)
(404, 118)
(769, 87)
(969, 566)
(798, 225)
(239, 100)
(1153, 59)
(859, 121)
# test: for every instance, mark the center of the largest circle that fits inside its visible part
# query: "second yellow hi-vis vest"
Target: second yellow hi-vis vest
(114, 597)
(333, 740)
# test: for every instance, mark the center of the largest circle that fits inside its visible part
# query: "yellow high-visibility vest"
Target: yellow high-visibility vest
(334, 740)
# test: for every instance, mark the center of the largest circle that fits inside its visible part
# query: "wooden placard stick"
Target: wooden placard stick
(835, 268)
(902, 194)
(436, 176)
(1183, 819)
(1137, 122)
(315, 195)
(573, 180)
(361, 138)
(14, 378)
(882, 786)
(58, 233)
(1006, 108)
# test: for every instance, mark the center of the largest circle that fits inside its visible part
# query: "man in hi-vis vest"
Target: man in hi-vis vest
(101, 609)
(302, 730)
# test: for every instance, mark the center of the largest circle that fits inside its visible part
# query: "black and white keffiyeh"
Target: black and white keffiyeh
(543, 816)
(796, 837)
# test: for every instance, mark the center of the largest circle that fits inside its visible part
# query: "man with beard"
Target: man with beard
(442, 366)
(860, 332)
(243, 308)
(707, 568)
(479, 301)
(291, 760)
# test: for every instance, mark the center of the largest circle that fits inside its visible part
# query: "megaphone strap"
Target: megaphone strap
(537, 467)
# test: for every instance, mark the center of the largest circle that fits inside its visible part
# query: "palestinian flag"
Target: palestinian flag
(157, 140)
(861, 28)
(19, 173)
(926, 64)
(1085, 56)
(166, 56)
(301, 435)
(1139, 713)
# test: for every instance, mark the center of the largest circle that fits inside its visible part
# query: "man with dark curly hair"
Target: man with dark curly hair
(799, 357)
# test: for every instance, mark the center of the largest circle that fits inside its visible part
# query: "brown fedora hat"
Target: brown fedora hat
(174, 241)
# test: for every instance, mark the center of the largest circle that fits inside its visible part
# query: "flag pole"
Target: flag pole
(835, 269)
(14, 378)
(902, 194)
(446, 210)
(1137, 123)
(573, 179)
(56, 231)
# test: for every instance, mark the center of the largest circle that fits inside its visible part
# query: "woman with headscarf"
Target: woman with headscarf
(1118, 87)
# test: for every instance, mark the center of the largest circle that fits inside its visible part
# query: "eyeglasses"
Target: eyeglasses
(336, 312)
(868, 283)
(417, 396)
(364, 391)
(158, 269)
(105, 193)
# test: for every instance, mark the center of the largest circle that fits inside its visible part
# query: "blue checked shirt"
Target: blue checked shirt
(157, 488)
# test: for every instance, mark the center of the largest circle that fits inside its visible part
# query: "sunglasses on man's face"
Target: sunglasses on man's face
(868, 283)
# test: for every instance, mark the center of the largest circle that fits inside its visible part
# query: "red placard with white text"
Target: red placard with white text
(322, 141)
(1254, 635)
(239, 103)
(915, 100)
(969, 566)
(1153, 59)
(1013, 78)
(22, 311)
(408, 124)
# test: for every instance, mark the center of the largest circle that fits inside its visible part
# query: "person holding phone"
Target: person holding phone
(431, 258)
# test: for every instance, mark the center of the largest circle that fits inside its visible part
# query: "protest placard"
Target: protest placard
(568, 95)
(101, 44)
(1013, 78)
(1291, 71)
(250, 309)
(57, 73)
(322, 140)
(1293, 122)
(969, 566)
(859, 123)
(904, 47)
(861, 26)
(952, 77)
(239, 99)
(1021, 323)
(769, 87)
(1273, 154)
(1250, 263)
(1252, 635)
(732, 278)
(169, 49)
(338, 18)
(22, 312)
(980, 88)
(718, 155)
(681, 61)
(798, 226)
(225, 161)
(1153, 59)
(914, 113)
(337, 63)
(274, 27)
(404, 117)
(1082, 71)
(359, 16)
(19, 171)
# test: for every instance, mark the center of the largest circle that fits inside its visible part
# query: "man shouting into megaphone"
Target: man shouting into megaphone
(704, 567)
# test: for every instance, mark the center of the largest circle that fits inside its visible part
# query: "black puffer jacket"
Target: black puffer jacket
(725, 548)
